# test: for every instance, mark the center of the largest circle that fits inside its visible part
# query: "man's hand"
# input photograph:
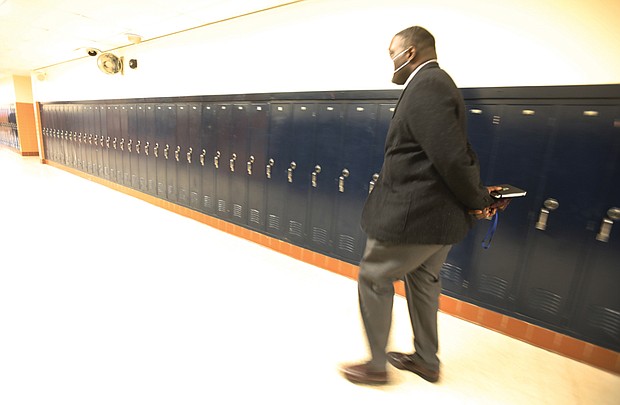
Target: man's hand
(488, 212)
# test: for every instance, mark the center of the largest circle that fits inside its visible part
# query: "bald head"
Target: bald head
(422, 40)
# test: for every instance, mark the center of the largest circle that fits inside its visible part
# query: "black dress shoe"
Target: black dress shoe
(362, 374)
(404, 361)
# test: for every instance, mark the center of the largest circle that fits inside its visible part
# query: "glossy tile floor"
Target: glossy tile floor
(106, 299)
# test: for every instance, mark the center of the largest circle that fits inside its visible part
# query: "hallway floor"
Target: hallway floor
(106, 299)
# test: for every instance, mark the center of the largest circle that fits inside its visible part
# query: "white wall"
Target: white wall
(7, 91)
(342, 45)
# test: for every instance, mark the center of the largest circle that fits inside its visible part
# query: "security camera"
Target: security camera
(92, 51)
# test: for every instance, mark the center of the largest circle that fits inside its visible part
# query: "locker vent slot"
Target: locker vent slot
(151, 186)
(237, 210)
(493, 285)
(294, 228)
(194, 199)
(160, 188)
(208, 202)
(319, 235)
(182, 196)
(274, 222)
(346, 243)
(606, 320)
(452, 273)
(545, 301)
(221, 205)
(255, 216)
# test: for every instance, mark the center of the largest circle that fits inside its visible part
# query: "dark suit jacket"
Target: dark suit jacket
(430, 175)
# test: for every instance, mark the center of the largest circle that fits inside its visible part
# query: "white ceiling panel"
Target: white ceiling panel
(39, 33)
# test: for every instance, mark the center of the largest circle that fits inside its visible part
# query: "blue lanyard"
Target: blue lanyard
(486, 242)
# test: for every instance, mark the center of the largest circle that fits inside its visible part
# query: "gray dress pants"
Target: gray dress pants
(384, 263)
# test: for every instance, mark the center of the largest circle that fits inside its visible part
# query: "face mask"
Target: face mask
(404, 64)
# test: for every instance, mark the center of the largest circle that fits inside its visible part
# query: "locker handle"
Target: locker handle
(156, 149)
(107, 141)
(345, 174)
(166, 151)
(232, 162)
(122, 143)
(146, 148)
(249, 165)
(270, 164)
(129, 145)
(290, 170)
(202, 157)
(101, 141)
(375, 177)
(177, 153)
(216, 159)
(613, 214)
(138, 145)
(189, 155)
(114, 143)
(90, 138)
(550, 204)
(317, 170)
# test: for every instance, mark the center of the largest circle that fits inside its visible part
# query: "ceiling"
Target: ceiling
(38, 33)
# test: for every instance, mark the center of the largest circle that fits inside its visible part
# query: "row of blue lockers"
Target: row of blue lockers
(8, 126)
(299, 168)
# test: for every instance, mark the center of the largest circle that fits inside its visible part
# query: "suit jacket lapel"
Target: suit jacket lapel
(432, 64)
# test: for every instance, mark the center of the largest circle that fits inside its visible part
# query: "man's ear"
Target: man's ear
(413, 53)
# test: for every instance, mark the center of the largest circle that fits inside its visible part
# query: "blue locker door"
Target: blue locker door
(71, 123)
(113, 124)
(523, 134)
(98, 141)
(87, 112)
(149, 155)
(130, 139)
(357, 167)
(281, 119)
(255, 165)
(54, 134)
(56, 111)
(135, 146)
(170, 152)
(79, 134)
(482, 124)
(192, 154)
(141, 144)
(239, 147)
(568, 212)
(104, 142)
(161, 150)
(299, 166)
(595, 314)
(180, 153)
(597, 305)
(64, 134)
(206, 158)
(122, 173)
(223, 127)
(327, 151)
(45, 125)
